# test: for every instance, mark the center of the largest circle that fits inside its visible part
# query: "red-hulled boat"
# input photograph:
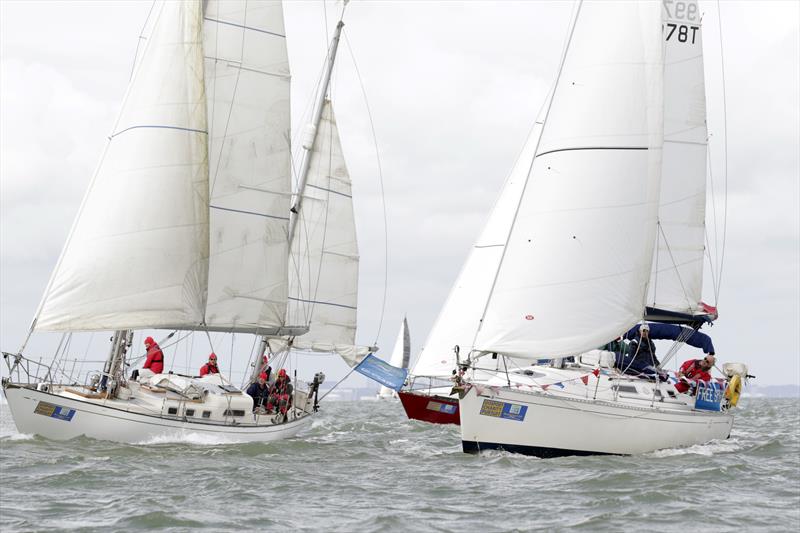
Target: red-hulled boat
(431, 408)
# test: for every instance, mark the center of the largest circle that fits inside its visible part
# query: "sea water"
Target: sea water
(363, 466)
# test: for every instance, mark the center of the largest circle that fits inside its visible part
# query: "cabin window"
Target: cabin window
(190, 412)
(625, 388)
(172, 411)
(234, 412)
(206, 414)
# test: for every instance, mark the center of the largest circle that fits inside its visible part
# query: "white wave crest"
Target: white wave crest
(16, 436)
(188, 437)
(708, 449)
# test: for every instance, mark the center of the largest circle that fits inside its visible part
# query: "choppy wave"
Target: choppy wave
(365, 467)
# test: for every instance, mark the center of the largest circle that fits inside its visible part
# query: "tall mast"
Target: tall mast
(308, 142)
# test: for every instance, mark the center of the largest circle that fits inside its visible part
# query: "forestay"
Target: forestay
(461, 314)
(137, 253)
(575, 269)
(247, 87)
(677, 277)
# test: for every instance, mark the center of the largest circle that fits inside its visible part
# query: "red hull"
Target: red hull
(430, 408)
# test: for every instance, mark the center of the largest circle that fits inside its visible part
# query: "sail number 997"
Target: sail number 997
(682, 32)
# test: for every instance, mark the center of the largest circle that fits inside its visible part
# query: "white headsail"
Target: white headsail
(247, 87)
(461, 314)
(577, 263)
(677, 277)
(137, 255)
(324, 261)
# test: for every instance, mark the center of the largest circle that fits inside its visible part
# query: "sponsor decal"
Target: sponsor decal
(54, 411)
(440, 407)
(709, 396)
(509, 411)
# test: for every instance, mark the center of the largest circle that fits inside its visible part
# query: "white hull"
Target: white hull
(553, 425)
(100, 420)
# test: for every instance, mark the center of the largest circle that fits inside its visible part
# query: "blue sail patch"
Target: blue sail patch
(54, 411)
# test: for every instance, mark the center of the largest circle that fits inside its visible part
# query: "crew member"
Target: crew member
(640, 358)
(153, 363)
(280, 395)
(259, 392)
(694, 370)
(210, 367)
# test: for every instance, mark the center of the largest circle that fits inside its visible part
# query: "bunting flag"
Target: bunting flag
(545, 387)
(596, 372)
(585, 379)
(559, 384)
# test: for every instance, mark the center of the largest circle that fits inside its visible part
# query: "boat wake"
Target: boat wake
(708, 449)
(195, 439)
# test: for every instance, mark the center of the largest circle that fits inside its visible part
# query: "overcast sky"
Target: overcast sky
(454, 88)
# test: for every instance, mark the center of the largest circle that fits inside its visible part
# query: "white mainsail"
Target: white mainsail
(400, 355)
(198, 239)
(323, 275)
(577, 263)
(461, 314)
(137, 255)
(247, 86)
(677, 277)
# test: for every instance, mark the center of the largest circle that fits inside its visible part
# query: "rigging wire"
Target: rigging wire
(382, 188)
(725, 153)
(141, 38)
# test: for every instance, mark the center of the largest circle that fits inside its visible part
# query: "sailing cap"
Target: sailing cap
(213, 356)
(148, 341)
(282, 373)
(263, 376)
(645, 327)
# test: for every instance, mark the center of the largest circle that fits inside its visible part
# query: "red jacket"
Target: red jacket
(155, 359)
(209, 369)
(691, 370)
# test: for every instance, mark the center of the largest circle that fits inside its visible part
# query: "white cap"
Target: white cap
(644, 327)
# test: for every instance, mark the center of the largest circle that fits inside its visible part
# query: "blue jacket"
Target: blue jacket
(259, 394)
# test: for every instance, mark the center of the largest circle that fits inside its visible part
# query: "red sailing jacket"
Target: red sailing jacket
(155, 359)
(209, 369)
(691, 370)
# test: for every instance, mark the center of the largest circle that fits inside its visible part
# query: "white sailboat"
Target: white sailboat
(190, 223)
(607, 231)
(400, 357)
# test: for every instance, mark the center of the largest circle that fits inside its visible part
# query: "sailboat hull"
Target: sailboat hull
(435, 409)
(546, 425)
(56, 417)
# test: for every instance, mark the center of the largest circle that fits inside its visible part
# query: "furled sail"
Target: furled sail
(461, 314)
(247, 87)
(323, 268)
(677, 277)
(137, 254)
(576, 267)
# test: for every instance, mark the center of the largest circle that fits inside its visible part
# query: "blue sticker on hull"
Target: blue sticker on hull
(509, 411)
(441, 407)
(54, 411)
